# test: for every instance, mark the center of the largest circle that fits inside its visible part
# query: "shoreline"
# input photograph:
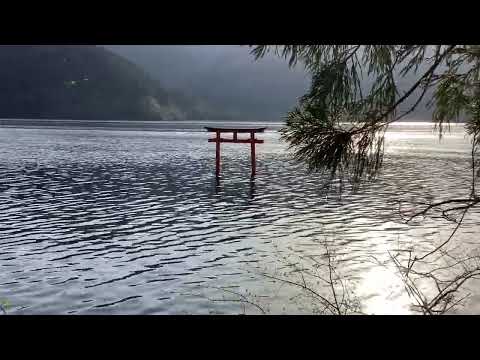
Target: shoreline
(170, 126)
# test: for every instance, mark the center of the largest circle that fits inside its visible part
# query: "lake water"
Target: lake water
(107, 219)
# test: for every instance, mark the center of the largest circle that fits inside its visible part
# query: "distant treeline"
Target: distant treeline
(86, 82)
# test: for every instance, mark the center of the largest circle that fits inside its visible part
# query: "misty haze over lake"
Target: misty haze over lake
(228, 77)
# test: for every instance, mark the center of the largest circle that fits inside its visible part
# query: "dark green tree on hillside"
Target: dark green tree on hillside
(338, 127)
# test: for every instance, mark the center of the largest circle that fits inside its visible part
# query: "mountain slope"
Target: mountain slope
(225, 75)
(229, 78)
(87, 83)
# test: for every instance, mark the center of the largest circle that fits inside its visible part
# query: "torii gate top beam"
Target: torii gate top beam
(252, 141)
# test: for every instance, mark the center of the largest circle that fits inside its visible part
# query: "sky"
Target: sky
(229, 78)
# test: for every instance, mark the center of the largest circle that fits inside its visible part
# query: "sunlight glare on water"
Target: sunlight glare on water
(108, 221)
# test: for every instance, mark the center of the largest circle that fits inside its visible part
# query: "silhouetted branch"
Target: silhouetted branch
(335, 303)
(243, 299)
(468, 203)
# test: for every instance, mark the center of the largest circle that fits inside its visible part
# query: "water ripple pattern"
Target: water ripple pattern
(102, 221)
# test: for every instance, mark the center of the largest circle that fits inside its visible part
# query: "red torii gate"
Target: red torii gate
(252, 141)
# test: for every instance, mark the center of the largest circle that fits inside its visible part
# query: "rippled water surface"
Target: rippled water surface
(105, 221)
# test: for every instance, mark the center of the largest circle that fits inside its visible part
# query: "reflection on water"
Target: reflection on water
(105, 221)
